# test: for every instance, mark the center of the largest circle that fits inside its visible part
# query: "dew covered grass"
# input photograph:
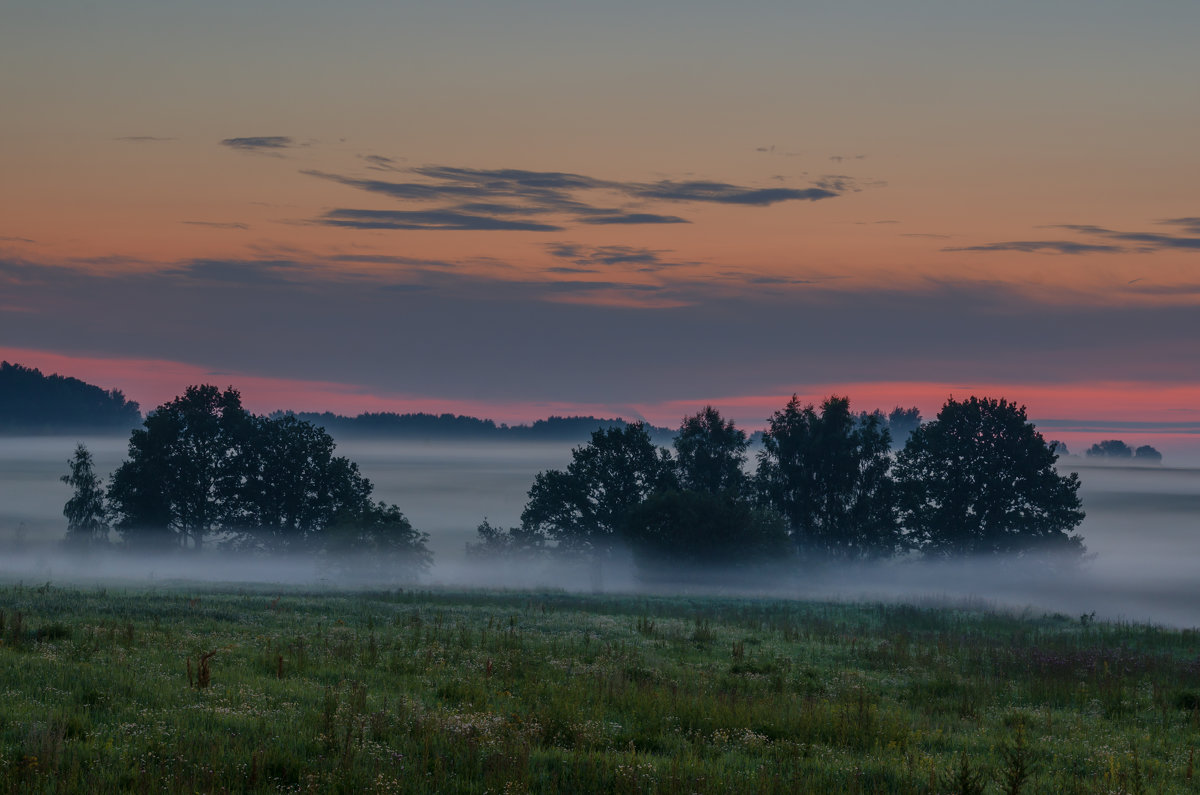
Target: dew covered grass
(472, 691)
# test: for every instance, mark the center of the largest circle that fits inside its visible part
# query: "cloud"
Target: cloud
(1141, 242)
(590, 257)
(569, 270)
(510, 198)
(769, 281)
(384, 259)
(420, 191)
(839, 183)
(1189, 225)
(243, 272)
(1147, 241)
(217, 224)
(426, 219)
(1136, 286)
(724, 193)
(260, 143)
(771, 150)
(1042, 247)
(633, 218)
(381, 163)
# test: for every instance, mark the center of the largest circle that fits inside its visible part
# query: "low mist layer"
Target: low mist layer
(1139, 532)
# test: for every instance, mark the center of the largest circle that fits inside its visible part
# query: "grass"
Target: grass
(206, 690)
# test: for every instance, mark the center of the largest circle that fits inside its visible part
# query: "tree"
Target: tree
(706, 517)
(901, 422)
(704, 529)
(183, 471)
(980, 479)
(498, 542)
(1110, 448)
(828, 474)
(202, 466)
(290, 486)
(710, 454)
(87, 516)
(586, 507)
(1059, 448)
(376, 540)
(1147, 455)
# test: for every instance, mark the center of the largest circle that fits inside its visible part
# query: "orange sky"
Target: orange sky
(608, 208)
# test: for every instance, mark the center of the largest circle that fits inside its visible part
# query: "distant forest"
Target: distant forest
(33, 403)
(457, 426)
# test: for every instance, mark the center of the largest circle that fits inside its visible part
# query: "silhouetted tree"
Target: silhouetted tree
(203, 466)
(901, 423)
(828, 474)
(706, 517)
(586, 507)
(87, 516)
(377, 540)
(705, 529)
(1147, 455)
(183, 472)
(710, 454)
(980, 479)
(1058, 448)
(1110, 448)
(290, 485)
(497, 542)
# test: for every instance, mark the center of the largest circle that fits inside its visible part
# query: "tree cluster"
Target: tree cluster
(1115, 449)
(977, 479)
(204, 470)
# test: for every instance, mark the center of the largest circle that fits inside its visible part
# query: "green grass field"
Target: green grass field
(505, 692)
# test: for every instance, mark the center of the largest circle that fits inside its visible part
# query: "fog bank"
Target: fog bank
(1141, 532)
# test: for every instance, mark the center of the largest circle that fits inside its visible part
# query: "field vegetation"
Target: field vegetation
(193, 689)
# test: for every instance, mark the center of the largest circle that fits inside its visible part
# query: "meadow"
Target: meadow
(208, 688)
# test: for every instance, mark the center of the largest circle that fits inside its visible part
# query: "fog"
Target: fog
(1141, 532)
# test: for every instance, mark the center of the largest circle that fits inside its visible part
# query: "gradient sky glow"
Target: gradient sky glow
(513, 208)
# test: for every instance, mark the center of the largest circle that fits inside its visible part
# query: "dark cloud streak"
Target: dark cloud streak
(217, 224)
(724, 193)
(634, 218)
(592, 256)
(502, 194)
(1042, 247)
(427, 219)
(258, 143)
(1141, 242)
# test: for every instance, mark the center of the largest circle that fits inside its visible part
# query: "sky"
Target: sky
(521, 207)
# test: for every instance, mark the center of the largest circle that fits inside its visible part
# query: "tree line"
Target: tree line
(462, 427)
(31, 402)
(826, 484)
(977, 479)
